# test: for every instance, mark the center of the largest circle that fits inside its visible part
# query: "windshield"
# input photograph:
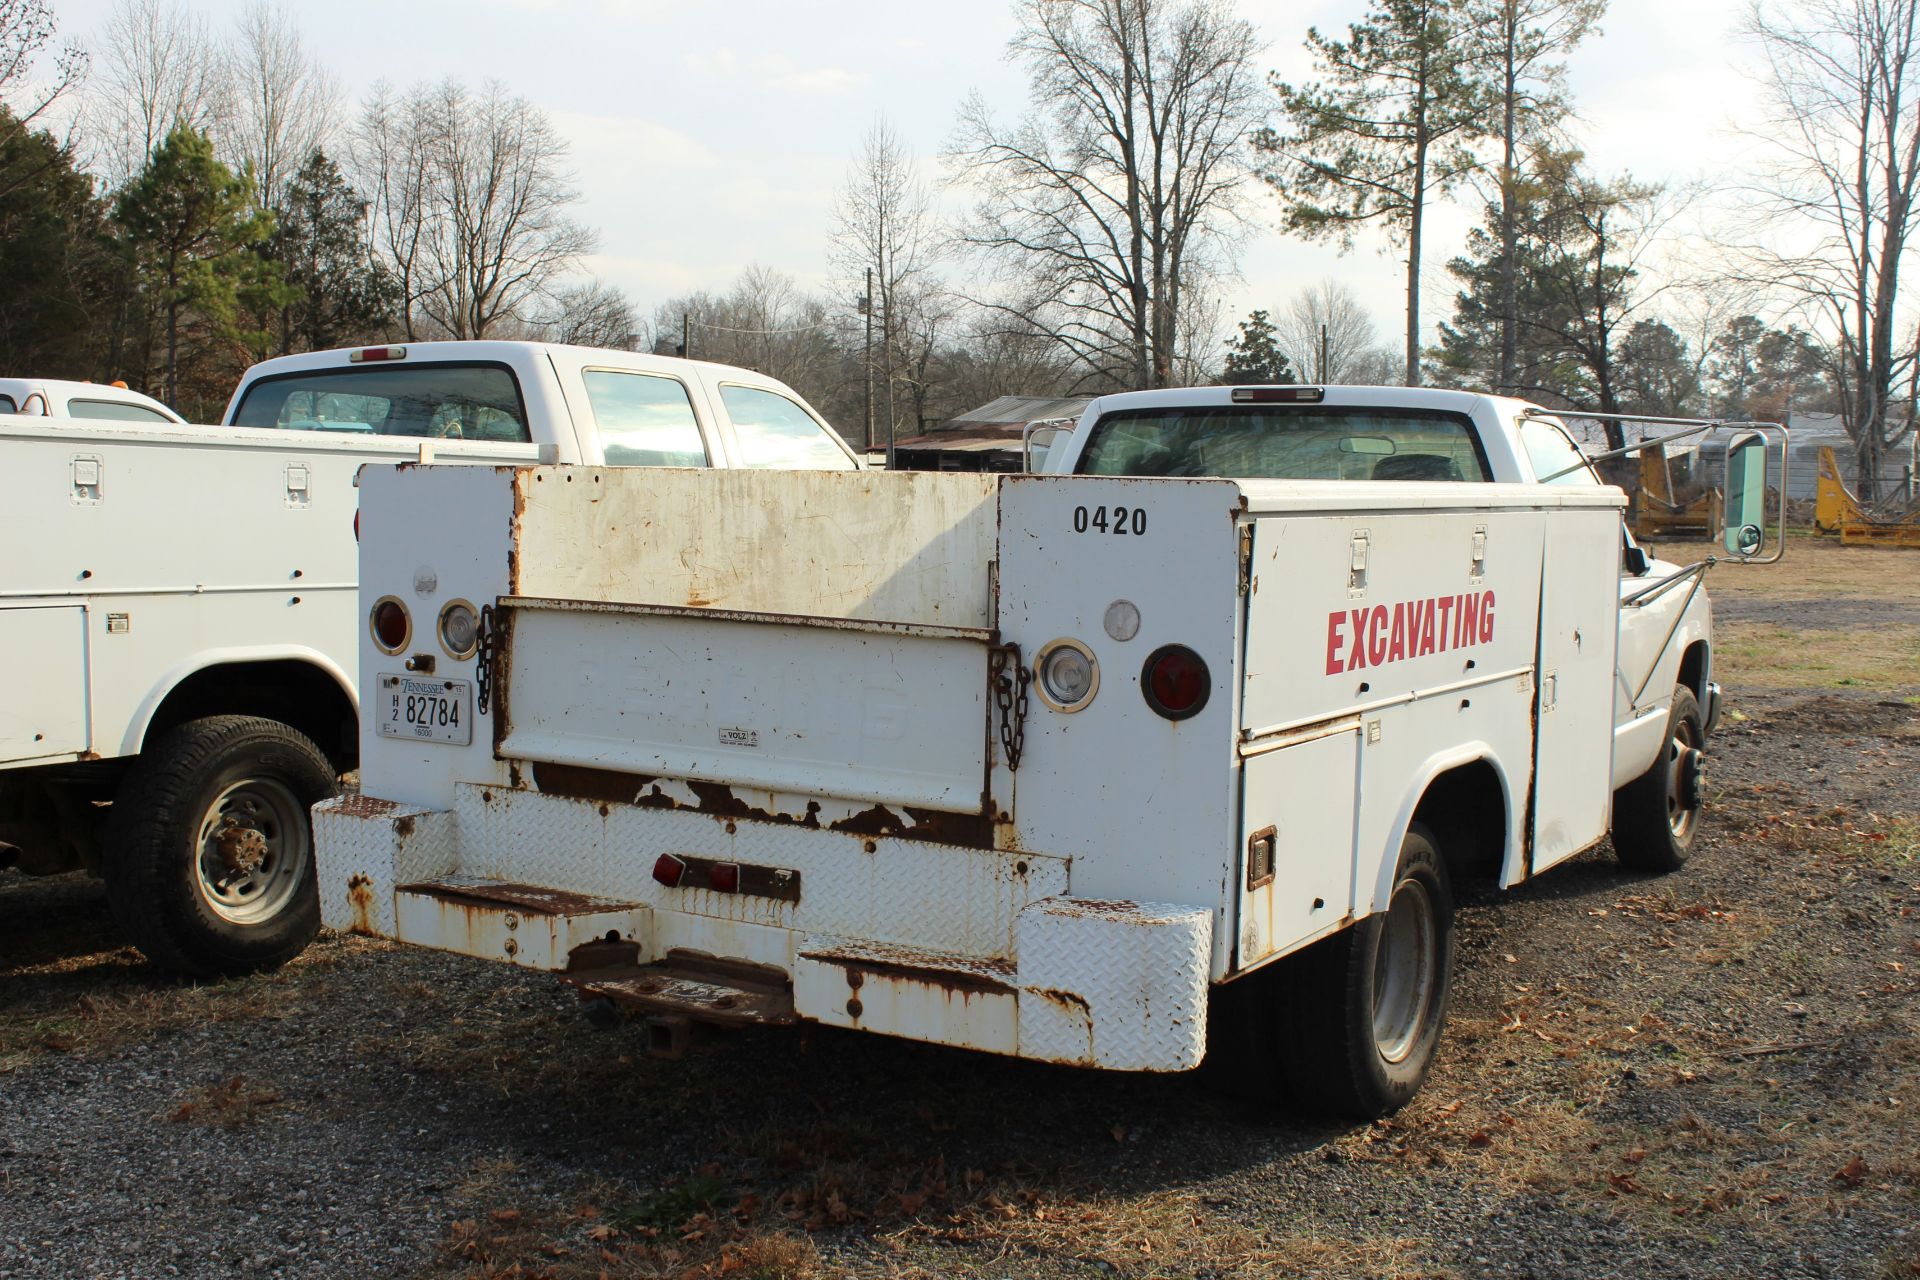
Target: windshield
(1269, 442)
(444, 401)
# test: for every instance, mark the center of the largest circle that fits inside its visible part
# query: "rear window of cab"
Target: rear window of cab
(466, 401)
(1274, 442)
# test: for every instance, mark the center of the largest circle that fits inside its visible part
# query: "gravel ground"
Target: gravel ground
(1703, 1075)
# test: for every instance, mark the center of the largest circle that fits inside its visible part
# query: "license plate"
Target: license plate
(422, 709)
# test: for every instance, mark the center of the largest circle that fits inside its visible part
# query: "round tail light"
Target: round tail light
(1068, 674)
(1175, 681)
(390, 624)
(459, 629)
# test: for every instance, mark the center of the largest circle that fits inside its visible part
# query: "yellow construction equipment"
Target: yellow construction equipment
(1663, 508)
(1836, 510)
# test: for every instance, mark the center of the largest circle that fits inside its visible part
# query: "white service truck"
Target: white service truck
(1044, 765)
(179, 623)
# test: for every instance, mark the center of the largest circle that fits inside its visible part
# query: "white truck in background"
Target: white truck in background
(93, 401)
(1095, 767)
(179, 623)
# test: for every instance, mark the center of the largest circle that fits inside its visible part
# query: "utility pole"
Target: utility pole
(686, 335)
(866, 309)
(886, 361)
(1321, 377)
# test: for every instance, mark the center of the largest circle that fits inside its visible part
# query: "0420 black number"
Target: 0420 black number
(1119, 522)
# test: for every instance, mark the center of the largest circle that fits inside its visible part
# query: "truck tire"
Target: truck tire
(1655, 816)
(209, 860)
(1369, 1002)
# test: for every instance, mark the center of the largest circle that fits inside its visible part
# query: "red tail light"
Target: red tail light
(377, 353)
(668, 869)
(724, 877)
(1175, 681)
(390, 624)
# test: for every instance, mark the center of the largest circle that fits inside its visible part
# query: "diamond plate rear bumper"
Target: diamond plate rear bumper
(968, 947)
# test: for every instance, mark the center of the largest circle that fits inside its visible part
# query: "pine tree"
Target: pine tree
(191, 228)
(1383, 132)
(337, 296)
(1253, 357)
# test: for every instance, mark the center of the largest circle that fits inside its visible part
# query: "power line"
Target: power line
(726, 328)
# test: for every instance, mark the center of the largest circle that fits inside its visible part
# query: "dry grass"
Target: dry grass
(233, 1103)
(93, 1003)
(1775, 657)
(1816, 568)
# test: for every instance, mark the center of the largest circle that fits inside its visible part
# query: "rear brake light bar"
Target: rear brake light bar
(1279, 395)
(377, 353)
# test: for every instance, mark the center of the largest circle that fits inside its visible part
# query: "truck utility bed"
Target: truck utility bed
(792, 759)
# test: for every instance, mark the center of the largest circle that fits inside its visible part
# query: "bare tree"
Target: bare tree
(160, 68)
(1116, 194)
(588, 314)
(469, 204)
(282, 104)
(1844, 132)
(26, 29)
(883, 225)
(390, 154)
(1329, 338)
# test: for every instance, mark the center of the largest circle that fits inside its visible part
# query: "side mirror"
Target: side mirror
(1635, 560)
(1746, 494)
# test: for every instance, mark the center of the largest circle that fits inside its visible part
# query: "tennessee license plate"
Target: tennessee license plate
(422, 709)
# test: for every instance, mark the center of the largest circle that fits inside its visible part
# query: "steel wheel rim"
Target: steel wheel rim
(1681, 747)
(253, 848)
(1404, 971)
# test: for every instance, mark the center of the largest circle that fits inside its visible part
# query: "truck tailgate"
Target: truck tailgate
(815, 706)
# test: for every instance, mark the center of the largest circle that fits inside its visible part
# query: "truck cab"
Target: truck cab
(93, 401)
(579, 404)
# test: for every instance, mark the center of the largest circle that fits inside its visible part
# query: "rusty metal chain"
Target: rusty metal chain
(483, 660)
(1010, 684)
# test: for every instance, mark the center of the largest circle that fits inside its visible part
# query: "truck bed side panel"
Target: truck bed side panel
(1579, 635)
(1375, 640)
(44, 716)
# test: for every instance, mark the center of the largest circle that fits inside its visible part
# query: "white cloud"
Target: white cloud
(775, 71)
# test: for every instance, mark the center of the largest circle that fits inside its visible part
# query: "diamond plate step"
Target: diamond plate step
(687, 984)
(524, 924)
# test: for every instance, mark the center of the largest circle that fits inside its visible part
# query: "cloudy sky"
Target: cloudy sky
(710, 135)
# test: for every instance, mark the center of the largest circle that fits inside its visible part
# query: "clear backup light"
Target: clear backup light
(1068, 675)
(459, 629)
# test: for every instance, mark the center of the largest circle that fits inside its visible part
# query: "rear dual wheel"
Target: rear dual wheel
(1353, 1022)
(209, 857)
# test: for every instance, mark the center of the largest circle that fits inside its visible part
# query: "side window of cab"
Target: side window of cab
(1551, 452)
(644, 419)
(771, 431)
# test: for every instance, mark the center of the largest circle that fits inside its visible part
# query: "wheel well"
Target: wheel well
(1693, 670)
(1466, 809)
(297, 694)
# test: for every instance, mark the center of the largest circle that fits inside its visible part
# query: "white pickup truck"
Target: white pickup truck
(1034, 764)
(178, 615)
